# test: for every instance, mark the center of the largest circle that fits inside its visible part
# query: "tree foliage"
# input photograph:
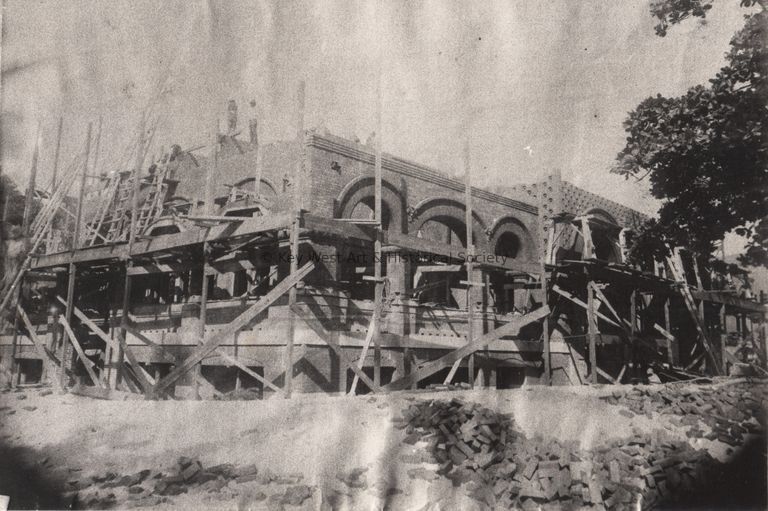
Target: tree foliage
(15, 209)
(705, 153)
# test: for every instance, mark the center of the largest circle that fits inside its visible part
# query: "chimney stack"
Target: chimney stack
(253, 125)
(232, 117)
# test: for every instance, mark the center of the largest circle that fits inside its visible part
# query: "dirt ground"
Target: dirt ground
(54, 446)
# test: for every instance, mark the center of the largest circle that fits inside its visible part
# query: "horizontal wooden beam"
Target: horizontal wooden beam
(166, 242)
(726, 298)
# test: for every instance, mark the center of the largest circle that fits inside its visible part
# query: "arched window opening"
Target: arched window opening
(364, 210)
(508, 245)
(445, 229)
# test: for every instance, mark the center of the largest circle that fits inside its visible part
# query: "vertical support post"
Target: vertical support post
(203, 320)
(701, 309)
(81, 193)
(212, 170)
(54, 176)
(671, 345)
(27, 219)
(723, 340)
(68, 316)
(586, 233)
(209, 199)
(294, 236)
(294, 241)
(258, 169)
(379, 283)
(123, 323)
(592, 331)
(633, 333)
(14, 347)
(131, 240)
(98, 147)
(470, 259)
(545, 255)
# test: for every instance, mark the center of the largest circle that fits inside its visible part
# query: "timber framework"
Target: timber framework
(320, 264)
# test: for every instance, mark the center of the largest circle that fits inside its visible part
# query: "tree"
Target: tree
(705, 153)
(14, 210)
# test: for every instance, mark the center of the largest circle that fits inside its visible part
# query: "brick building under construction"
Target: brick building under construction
(313, 264)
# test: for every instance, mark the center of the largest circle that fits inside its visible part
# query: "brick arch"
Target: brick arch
(606, 242)
(442, 209)
(602, 214)
(362, 190)
(164, 226)
(512, 226)
(271, 188)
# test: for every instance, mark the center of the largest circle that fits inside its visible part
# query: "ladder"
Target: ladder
(113, 217)
(678, 273)
(152, 206)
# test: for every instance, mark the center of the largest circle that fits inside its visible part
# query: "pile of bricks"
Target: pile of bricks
(187, 474)
(505, 469)
(726, 410)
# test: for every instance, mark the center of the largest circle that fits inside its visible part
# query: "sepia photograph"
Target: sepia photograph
(370, 255)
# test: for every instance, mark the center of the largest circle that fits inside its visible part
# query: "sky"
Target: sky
(533, 85)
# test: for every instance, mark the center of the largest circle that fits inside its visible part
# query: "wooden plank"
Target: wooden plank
(430, 368)
(145, 380)
(605, 375)
(246, 370)
(325, 336)
(235, 326)
(557, 289)
(592, 332)
(452, 372)
(575, 366)
(39, 345)
(607, 303)
(372, 327)
(294, 265)
(87, 363)
(102, 393)
(169, 357)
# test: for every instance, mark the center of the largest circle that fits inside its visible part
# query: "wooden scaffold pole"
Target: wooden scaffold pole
(377, 252)
(54, 177)
(29, 199)
(209, 210)
(294, 238)
(139, 163)
(547, 227)
(72, 268)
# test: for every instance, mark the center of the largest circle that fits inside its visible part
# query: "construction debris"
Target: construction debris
(188, 474)
(502, 467)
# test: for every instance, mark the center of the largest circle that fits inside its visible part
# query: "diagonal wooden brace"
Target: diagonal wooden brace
(430, 368)
(76, 344)
(325, 336)
(231, 329)
(142, 376)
